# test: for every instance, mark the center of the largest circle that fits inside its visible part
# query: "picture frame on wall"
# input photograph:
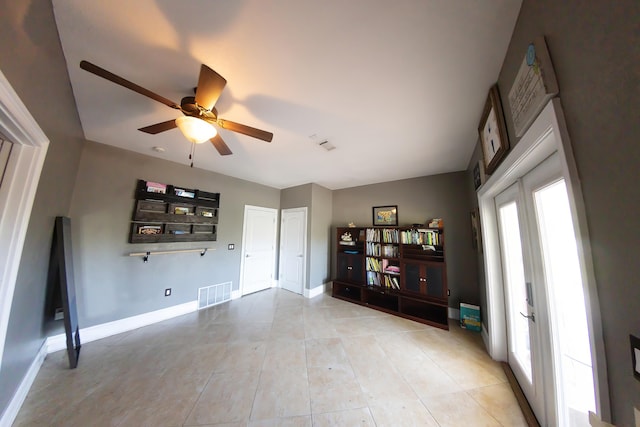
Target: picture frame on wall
(476, 237)
(478, 175)
(493, 132)
(534, 85)
(385, 215)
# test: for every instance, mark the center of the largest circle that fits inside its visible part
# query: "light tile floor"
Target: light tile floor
(277, 359)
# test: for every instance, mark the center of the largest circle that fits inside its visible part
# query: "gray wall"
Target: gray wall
(595, 50)
(443, 196)
(31, 59)
(110, 284)
(320, 232)
(300, 196)
(318, 201)
(479, 257)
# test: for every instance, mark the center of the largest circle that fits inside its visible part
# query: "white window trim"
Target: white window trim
(534, 147)
(17, 192)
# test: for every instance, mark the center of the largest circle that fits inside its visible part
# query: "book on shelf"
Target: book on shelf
(390, 251)
(373, 249)
(373, 264)
(421, 236)
(392, 269)
(391, 282)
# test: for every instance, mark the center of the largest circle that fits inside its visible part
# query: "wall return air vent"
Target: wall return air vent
(214, 294)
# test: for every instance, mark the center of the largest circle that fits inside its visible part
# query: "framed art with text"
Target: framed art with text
(493, 133)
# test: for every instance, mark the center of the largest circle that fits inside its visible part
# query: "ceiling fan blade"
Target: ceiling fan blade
(220, 145)
(101, 72)
(210, 85)
(159, 127)
(245, 130)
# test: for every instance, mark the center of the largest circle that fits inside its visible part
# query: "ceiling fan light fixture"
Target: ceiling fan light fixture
(196, 130)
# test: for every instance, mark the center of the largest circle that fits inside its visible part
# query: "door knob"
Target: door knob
(532, 317)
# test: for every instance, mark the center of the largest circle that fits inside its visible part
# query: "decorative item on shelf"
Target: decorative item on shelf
(149, 229)
(385, 215)
(435, 223)
(184, 193)
(156, 187)
(346, 239)
(179, 210)
(493, 134)
(352, 225)
(534, 85)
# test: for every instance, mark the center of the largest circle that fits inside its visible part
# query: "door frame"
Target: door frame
(17, 192)
(547, 134)
(244, 244)
(304, 210)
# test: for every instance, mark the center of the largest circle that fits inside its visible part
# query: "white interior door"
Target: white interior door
(258, 249)
(548, 341)
(293, 239)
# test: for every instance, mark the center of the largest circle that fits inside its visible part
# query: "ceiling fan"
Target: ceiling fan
(198, 111)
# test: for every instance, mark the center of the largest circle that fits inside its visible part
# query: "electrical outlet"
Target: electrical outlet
(231, 246)
(167, 292)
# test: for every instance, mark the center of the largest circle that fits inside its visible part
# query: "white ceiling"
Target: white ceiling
(396, 86)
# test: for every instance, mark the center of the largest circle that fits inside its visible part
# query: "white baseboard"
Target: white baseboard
(454, 313)
(11, 412)
(92, 333)
(236, 294)
(486, 338)
(318, 290)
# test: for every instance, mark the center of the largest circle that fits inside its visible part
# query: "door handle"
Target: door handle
(247, 256)
(532, 317)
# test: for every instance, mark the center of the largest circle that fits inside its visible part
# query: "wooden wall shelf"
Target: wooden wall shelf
(173, 216)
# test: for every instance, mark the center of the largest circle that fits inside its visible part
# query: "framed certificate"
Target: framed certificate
(493, 133)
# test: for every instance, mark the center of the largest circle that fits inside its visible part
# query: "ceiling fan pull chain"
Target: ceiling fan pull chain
(192, 154)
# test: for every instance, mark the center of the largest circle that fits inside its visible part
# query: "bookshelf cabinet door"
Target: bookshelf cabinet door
(350, 268)
(412, 276)
(436, 283)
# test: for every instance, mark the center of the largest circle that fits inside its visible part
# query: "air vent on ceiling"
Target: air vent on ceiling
(326, 145)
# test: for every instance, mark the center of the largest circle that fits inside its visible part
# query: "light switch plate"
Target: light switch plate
(636, 413)
(635, 355)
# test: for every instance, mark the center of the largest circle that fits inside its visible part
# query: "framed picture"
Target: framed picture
(476, 237)
(533, 87)
(478, 175)
(385, 215)
(493, 133)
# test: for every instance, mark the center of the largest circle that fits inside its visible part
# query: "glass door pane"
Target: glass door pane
(515, 289)
(570, 336)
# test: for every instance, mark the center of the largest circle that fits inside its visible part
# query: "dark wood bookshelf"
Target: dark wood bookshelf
(415, 287)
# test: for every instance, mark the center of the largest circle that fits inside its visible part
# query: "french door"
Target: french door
(548, 341)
